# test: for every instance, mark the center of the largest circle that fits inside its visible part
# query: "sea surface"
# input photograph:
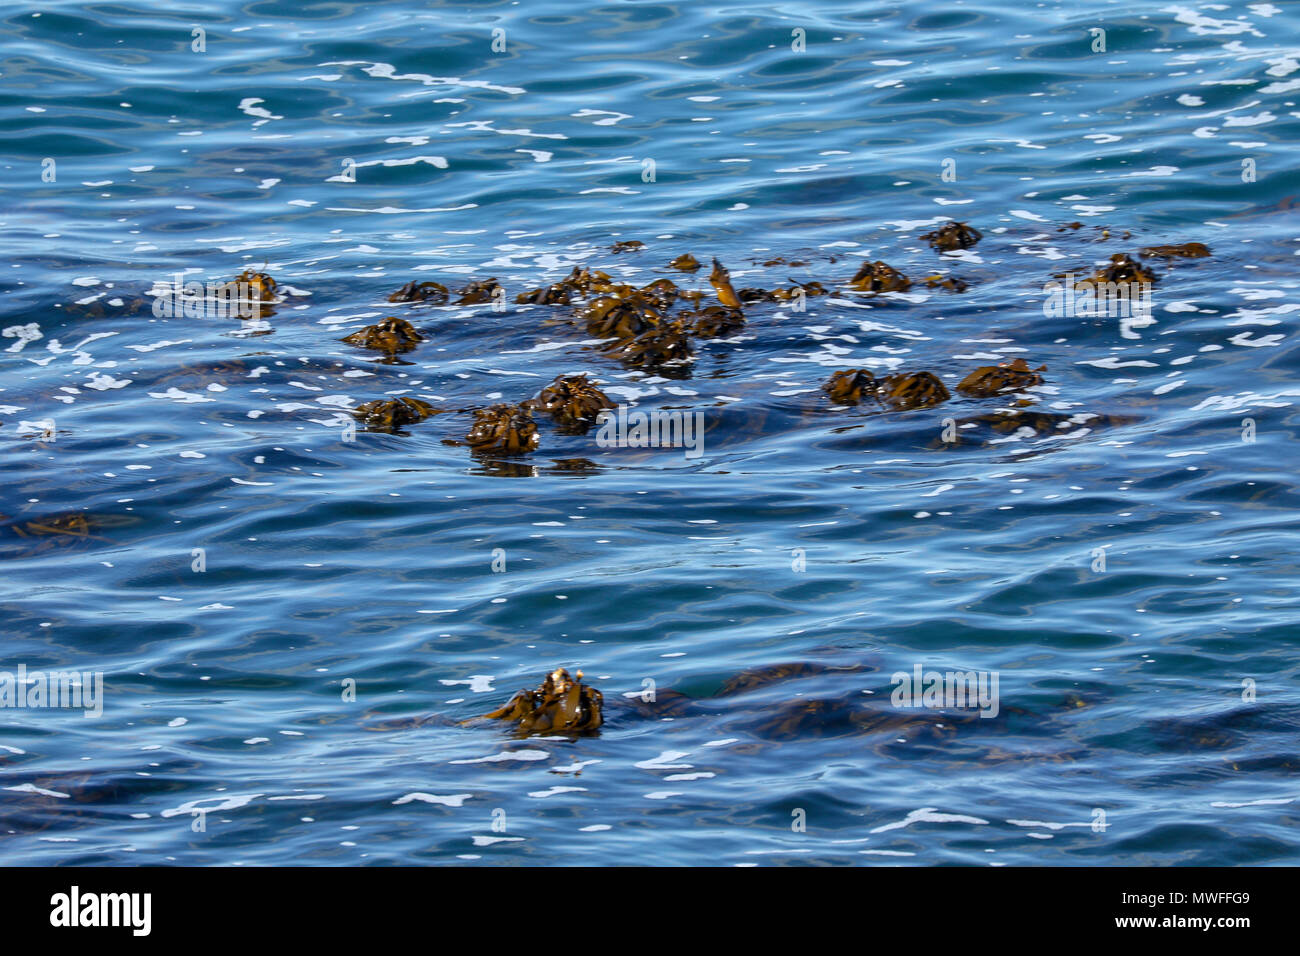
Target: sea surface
(293, 621)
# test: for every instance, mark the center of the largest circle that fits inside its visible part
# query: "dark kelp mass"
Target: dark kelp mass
(503, 429)
(562, 704)
(391, 335)
(390, 415)
(652, 329)
(992, 379)
(573, 402)
(953, 235)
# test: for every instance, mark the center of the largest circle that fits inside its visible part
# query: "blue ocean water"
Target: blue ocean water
(291, 625)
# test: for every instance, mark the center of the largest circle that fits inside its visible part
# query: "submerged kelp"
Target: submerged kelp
(56, 530)
(1188, 250)
(562, 704)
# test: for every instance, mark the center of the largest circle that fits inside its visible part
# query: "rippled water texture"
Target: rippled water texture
(183, 511)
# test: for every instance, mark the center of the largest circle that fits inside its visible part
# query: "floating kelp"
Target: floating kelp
(577, 466)
(1122, 269)
(806, 289)
(953, 235)
(391, 414)
(879, 277)
(562, 704)
(993, 379)
(587, 281)
(260, 282)
(1188, 250)
(557, 294)
(250, 295)
(480, 291)
(660, 294)
(716, 321)
(658, 346)
(685, 262)
(912, 390)
(951, 283)
(503, 429)
(720, 279)
(848, 386)
(420, 292)
(573, 402)
(391, 335)
(629, 245)
(797, 290)
(609, 317)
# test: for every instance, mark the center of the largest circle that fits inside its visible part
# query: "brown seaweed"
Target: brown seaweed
(717, 321)
(1188, 250)
(479, 291)
(720, 279)
(1122, 269)
(951, 283)
(392, 335)
(990, 380)
(848, 386)
(391, 414)
(420, 292)
(503, 429)
(912, 390)
(557, 294)
(562, 704)
(953, 235)
(879, 277)
(573, 402)
(658, 346)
